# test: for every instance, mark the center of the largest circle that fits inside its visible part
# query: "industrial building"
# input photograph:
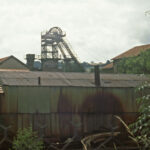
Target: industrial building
(61, 103)
(65, 104)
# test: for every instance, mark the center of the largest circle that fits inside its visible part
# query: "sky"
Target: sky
(98, 30)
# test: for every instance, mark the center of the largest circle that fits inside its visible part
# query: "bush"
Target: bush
(141, 128)
(26, 139)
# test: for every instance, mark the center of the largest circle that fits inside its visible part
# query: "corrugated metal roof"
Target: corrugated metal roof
(17, 70)
(30, 78)
(133, 51)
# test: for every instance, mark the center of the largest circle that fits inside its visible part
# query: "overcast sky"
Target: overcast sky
(97, 29)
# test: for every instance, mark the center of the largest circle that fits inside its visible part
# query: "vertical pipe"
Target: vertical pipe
(30, 61)
(39, 80)
(97, 75)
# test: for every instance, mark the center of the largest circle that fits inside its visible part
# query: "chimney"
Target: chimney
(97, 75)
(30, 60)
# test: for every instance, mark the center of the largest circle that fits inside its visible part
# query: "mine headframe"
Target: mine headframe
(55, 47)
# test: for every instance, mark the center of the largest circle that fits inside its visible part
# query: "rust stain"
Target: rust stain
(64, 104)
(65, 117)
(87, 119)
(102, 102)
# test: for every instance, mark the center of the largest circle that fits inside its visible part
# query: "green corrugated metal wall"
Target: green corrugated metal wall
(62, 108)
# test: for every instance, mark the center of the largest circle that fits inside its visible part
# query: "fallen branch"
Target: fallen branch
(97, 137)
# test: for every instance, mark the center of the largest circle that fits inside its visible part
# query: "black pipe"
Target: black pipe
(39, 80)
(97, 75)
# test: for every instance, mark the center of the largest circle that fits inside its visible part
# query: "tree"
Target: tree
(139, 64)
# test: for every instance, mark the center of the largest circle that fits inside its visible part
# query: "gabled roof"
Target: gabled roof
(133, 51)
(2, 60)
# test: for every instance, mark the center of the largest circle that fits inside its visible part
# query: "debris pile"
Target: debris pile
(122, 139)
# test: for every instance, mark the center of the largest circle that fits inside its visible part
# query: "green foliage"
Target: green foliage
(141, 128)
(27, 140)
(138, 64)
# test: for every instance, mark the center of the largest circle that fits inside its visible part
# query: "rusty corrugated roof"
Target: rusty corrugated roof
(133, 51)
(30, 78)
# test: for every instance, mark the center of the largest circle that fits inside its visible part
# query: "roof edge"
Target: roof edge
(118, 56)
(115, 58)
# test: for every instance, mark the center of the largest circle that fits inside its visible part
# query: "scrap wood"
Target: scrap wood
(65, 144)
(131, 135)
(100, 135)
(95, 137)
(103, 144)
(125, 125)
(98, 140)
(84, 145)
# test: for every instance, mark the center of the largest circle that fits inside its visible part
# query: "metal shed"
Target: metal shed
(64, 104)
